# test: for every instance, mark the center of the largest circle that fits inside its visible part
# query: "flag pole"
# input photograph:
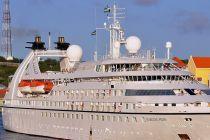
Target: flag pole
(96, 41)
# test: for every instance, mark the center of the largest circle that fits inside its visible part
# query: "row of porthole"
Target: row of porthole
(92, 117)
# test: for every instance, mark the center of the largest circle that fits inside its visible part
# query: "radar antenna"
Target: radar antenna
(116, 31)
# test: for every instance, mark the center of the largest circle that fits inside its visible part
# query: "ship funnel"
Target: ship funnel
(37, 44)
(38, 39)
(62, 44)
(61, 39)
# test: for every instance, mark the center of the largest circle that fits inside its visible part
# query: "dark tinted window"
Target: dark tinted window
(148, 92)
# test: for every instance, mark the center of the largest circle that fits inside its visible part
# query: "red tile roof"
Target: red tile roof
(180, 63)
(202, 62)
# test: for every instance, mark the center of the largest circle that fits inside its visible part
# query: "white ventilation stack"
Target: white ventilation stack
(116, 49)
(168, 47)
(133, 44)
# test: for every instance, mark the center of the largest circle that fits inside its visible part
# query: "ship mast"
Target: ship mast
(116, 31)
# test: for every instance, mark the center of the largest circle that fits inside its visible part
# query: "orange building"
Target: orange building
(200, 67)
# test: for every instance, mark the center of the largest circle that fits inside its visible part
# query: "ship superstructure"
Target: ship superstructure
(138, 96)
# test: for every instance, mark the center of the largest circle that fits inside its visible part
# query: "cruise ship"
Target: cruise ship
(119, 96)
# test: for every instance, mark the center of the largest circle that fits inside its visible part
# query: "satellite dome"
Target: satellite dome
(133, 44)
(74, 53)
(168, 45)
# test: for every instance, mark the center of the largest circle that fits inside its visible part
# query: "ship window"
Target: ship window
(184, 137)
(134, 119)
(126, 106)
(108, 118)
(63, 115)
(173, 104)
(126, 119)
(120, 119)
(135, 78)
(114, 118)
(165, 104)
(134, 106)
(188, 119)
(130, 92)
(115, 93)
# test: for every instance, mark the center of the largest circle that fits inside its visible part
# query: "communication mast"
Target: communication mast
(116, 31)
(6, 45)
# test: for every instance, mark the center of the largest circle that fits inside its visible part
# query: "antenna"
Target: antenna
(49, 41)
(116, 31)
(6, 32)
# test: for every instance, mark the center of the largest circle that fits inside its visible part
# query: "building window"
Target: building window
(156, 104)
(199, 78)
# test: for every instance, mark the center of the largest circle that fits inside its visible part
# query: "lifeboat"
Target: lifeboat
(41, 86)
(48, 86)
(37, 86)
(25, 87)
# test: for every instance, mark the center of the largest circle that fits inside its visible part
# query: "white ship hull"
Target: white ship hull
(138, 97)
(147, 126)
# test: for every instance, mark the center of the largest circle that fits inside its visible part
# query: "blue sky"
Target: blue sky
(184, 22)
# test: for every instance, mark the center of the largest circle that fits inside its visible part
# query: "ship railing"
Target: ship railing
(144, 54)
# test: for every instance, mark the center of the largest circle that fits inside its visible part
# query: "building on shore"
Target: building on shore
(200, 68)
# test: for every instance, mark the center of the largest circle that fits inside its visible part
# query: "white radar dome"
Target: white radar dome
(168, 45)
(74, 53)
(133, 44)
